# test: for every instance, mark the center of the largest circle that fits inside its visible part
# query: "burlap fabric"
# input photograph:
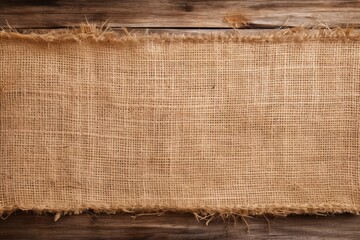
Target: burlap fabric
(212, 124)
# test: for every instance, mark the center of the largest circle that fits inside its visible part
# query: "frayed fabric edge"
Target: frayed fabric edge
(101, 34)
(204, 213)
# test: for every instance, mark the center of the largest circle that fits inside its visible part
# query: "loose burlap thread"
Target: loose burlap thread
(207, 124)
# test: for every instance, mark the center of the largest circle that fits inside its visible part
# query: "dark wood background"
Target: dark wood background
(177, 226)
(179, 13)
(178, 16)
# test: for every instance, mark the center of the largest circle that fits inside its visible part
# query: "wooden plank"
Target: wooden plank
(179, 226)
(188, 31)
(180, 13)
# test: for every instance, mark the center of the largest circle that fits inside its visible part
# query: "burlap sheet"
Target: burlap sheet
(217, 124)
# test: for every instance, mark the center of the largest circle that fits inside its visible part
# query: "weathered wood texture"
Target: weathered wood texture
(177, 226)
(179, 13)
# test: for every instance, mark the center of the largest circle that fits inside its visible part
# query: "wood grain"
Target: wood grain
(179, 13)
(176, 226)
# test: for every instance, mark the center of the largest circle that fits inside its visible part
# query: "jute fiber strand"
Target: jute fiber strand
(216, 124)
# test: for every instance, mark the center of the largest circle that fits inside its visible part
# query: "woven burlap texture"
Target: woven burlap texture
(210, 124)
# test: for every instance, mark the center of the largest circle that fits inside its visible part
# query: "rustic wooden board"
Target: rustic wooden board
(177, 226)
(179, 13)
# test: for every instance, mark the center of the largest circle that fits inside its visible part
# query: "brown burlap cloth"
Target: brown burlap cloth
(211, 124)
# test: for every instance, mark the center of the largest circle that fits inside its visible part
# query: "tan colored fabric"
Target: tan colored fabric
(203, 126)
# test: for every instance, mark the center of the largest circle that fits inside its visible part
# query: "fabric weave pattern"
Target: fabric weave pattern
(264, 127)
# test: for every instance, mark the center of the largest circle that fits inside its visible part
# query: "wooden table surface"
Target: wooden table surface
(177, 226)
(178, 16)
